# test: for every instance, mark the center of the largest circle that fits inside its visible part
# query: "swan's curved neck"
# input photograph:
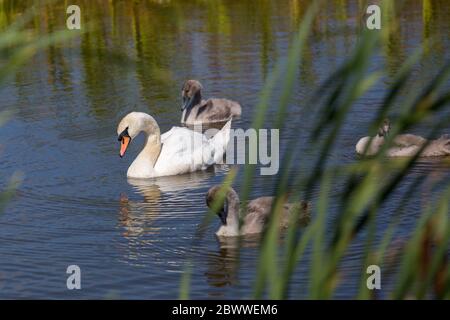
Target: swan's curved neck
(142, 166)
(196, 99)
(232, 226)
(152, 147)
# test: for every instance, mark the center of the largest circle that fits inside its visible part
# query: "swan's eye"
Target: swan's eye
(124, 133)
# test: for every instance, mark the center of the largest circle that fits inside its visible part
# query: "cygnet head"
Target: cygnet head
(384, 128)
(191, 93)
(218, 193)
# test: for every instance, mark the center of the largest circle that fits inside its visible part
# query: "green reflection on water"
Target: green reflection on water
(142, 47)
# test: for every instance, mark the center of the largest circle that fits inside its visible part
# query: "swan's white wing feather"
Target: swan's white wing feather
(165, 135)
(409, 140)
(183, 150)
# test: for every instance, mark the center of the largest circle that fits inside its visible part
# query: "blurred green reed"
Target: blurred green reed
(369, 182)
(18, 44)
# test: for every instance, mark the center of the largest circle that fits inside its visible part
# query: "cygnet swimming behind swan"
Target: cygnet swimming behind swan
(196, 111)
(178, 151)
(403, 145)
(257, 215)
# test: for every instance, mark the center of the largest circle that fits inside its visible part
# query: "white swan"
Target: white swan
(177, 151)
(257, 215)
(197, 111)
(404, 145)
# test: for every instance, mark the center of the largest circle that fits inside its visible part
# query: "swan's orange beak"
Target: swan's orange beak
(125, 141)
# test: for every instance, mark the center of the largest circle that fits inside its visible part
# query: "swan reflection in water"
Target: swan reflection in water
(223, 264)
(147, 222)
(235, 253)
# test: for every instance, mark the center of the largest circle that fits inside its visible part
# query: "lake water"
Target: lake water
(132, 239)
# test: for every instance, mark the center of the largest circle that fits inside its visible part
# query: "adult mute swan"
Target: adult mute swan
(257, 215)
(177, 151)
(196, 111)
(404, 145)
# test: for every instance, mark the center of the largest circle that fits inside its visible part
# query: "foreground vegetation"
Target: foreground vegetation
(369, 182)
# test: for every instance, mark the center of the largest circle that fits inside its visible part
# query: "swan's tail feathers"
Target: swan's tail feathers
(220, 142)
(442, 145)
(447, 146)
(236, 109)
